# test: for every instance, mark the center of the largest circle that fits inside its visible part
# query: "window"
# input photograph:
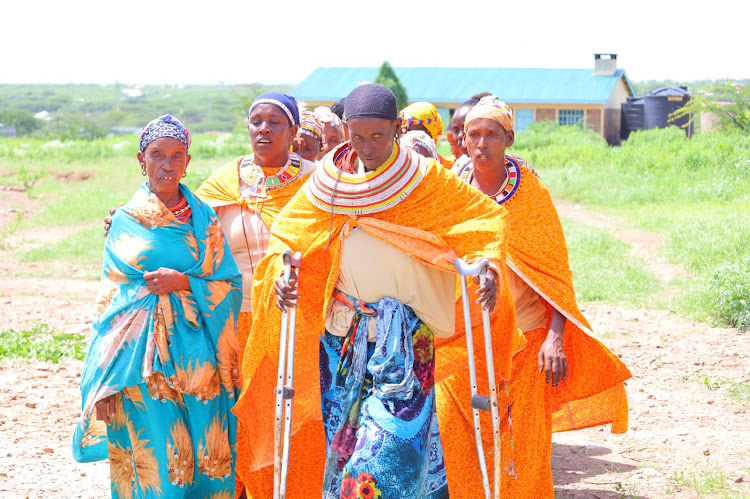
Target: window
(570, 116)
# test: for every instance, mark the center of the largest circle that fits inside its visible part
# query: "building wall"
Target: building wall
(594, 120)
(545, 114)
(619, 95)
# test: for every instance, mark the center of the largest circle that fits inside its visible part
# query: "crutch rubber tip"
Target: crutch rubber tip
(288, 392)
(480, 402)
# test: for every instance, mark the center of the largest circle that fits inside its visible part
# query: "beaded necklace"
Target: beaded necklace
(181, 210)
(255, 183)
(509, 187)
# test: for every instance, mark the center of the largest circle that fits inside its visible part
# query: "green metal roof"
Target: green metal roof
(445, 85)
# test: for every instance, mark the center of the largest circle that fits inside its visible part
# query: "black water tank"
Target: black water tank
(655, 108)
(631, 116)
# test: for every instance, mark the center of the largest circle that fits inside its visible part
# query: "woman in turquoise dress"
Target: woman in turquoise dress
(161, 375)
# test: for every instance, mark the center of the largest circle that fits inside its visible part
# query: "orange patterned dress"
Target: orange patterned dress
(593, 392)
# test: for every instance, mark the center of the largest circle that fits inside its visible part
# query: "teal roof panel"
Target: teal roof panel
(445, 85)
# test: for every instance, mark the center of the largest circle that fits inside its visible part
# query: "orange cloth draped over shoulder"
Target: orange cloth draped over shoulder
(439, 219)
(446, 162)
(592, 394)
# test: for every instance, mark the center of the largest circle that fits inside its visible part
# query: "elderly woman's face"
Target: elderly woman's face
(486, 141)
(165, 161)
(270, 132)
(306, 146)
(372, 139)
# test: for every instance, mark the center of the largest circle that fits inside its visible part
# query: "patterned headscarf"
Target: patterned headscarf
(325, 115)
(418, 137)
(286, 103)
(423, 113)
(492, 108)
(164, 126)
(310, 125)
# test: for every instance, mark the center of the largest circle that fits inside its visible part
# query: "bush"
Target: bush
(731, 292)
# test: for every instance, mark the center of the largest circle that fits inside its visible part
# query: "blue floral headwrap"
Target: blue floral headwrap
(286, 103)
(164, 126)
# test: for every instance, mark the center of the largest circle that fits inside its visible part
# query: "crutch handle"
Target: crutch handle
(286, 257)
(481, 402)
(296, 260)
(464, 268)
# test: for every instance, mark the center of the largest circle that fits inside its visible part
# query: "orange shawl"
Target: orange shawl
(440, 219)
(593, 392)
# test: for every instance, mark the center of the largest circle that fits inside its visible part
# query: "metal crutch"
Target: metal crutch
(284, 388)
(481, 402)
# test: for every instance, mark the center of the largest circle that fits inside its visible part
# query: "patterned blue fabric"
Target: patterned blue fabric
(164, 126)
(170, 361)
(378, 403)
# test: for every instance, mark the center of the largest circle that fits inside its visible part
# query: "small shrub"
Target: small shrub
(731, 286)
(41, 343)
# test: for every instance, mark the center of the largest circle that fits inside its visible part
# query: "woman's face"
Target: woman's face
(331, 138)
(486, 141)
(270, 132)
(455, 151)
(165, 161)
(457, 127)
(372, 139)
(306, 146)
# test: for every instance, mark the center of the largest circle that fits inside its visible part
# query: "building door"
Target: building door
(524, 117)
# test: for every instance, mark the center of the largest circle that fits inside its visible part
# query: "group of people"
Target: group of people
(178, 384)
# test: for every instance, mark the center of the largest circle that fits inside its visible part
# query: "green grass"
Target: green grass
(710, 483)
(602, 269)
(695, 192)
(41, 343)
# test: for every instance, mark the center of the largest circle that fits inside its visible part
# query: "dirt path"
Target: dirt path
(645, 245)
(684, 423)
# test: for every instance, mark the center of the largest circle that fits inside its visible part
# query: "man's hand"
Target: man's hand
(163, 281)
(285, 293)
(488, 292)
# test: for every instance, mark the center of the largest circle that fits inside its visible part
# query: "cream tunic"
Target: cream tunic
(531, 311)
(372, 269)
(256, 243)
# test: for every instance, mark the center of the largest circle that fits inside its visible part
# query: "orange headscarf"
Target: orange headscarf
(492, 108)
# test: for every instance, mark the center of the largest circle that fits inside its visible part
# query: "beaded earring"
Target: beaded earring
(143, 171)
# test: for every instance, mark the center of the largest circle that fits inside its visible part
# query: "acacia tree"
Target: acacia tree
(729, 102)
(387, 77)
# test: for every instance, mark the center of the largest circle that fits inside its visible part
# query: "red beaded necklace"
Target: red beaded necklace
(182, 210)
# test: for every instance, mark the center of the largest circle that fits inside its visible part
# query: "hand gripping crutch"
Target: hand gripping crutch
(284, 389)
(481, 402)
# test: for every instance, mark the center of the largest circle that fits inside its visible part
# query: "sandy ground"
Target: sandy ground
(683, 423)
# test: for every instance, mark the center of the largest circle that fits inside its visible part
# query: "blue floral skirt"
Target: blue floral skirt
(378, 403)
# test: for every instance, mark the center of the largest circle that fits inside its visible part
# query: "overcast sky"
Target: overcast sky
(277, 41)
